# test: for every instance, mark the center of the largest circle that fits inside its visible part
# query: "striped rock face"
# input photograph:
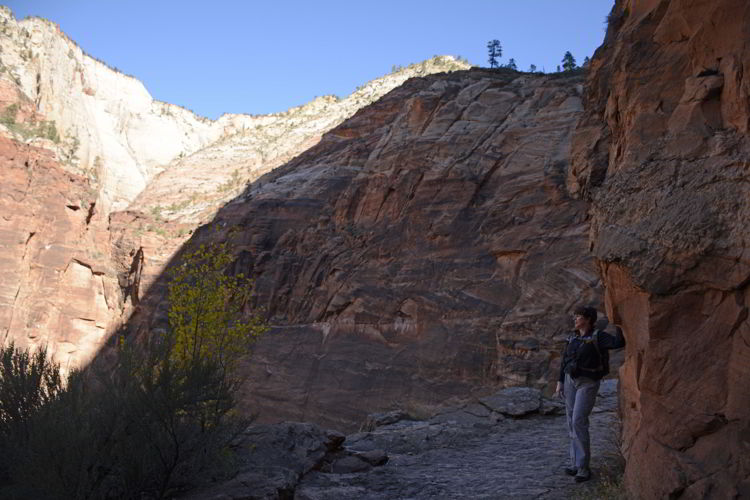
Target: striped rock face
(424, 251)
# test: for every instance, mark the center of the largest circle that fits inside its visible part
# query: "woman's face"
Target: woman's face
(580, 322)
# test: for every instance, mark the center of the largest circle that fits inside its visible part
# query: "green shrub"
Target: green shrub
(8, 117)
(207, 309)
(144, 430)
(156, 212)
(45, 129)
(48, 130)
(27, 383)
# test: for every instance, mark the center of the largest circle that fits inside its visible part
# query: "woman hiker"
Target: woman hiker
(584, 362)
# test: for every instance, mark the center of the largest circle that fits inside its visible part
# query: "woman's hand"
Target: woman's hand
(559, 392)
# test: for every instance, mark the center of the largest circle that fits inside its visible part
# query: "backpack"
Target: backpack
(574, 368)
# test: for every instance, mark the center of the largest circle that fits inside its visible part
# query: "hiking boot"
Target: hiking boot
(571, 471)
(583, 475)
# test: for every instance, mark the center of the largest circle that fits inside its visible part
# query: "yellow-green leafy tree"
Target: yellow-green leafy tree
(210, 317)
(183, 397)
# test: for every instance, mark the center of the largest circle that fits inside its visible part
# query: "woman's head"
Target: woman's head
(588, 314)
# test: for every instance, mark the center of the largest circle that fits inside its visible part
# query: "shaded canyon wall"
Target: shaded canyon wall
(424, 251)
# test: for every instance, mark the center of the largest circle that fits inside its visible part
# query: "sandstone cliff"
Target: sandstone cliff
(190, 190)
(110, 127)
(423, 251)
(59, 287)
(662, 153)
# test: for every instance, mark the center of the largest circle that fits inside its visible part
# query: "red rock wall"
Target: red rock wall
(58, 288)
(426, 250)
(71, 273)
(662, 152)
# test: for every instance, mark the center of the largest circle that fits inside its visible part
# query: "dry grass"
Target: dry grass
(609, 488)
(608, 481)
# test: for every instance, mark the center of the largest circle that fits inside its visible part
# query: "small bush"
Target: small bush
(28, 382)
(156, 212)
(48, 130)
(605, 488)
(609, 480)
(144, 430)
(209, 312)
(8, 117)
(615, 19)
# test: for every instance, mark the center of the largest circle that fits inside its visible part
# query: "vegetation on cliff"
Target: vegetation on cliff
(40, 128)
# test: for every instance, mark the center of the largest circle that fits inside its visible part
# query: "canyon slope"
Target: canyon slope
(662, 153)
(423, 252)
(104, 183)
(421, 249)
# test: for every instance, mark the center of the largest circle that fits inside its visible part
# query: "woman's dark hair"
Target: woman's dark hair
(587, 312)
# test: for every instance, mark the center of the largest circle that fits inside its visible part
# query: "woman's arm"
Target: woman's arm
(561, 377)
(608, 341)
(559, 392)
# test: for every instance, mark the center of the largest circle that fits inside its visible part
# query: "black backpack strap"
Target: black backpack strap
(595, 340)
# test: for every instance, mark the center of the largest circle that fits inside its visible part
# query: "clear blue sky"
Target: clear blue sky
(266, 56)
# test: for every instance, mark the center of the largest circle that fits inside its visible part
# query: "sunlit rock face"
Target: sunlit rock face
(662, 152)
(424, 251)
(109, 125)
(58, 289)
(194, 186)
(111, 129)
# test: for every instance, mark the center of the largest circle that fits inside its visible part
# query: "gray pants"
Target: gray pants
(580, 395)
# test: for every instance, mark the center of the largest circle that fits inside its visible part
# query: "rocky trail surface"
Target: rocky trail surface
(510, 445)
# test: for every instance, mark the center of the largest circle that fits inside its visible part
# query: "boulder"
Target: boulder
(271, 459)
(514, 401)
(374, 457)
(348, 464)
(472, 414)
(375, 420)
